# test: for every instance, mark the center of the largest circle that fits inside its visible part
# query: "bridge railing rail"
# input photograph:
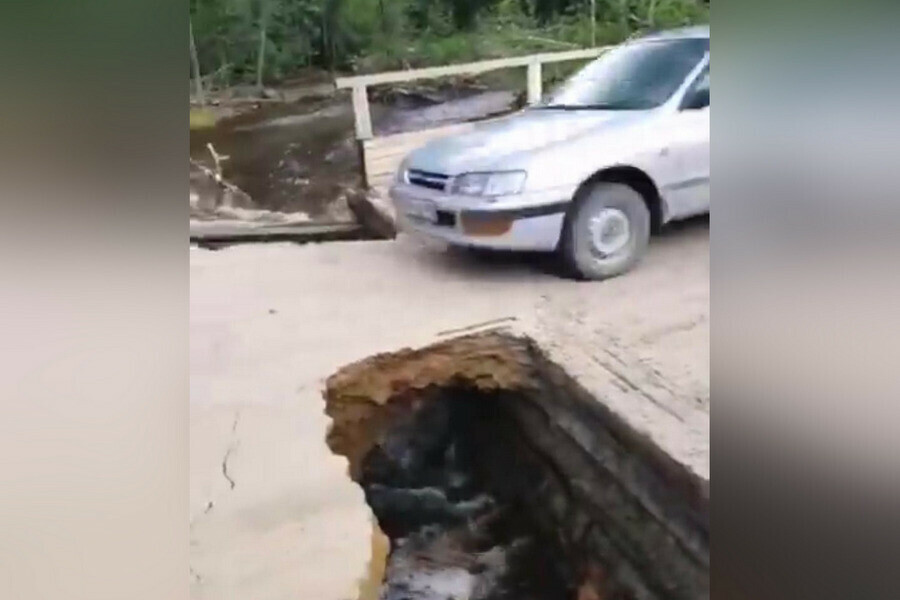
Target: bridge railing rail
(359, 84)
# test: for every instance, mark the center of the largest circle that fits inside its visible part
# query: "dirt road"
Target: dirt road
(272, 513)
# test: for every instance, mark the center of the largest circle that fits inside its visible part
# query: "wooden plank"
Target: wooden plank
(379, 165)
(466, 68)
(363, 120)
(383, 160)
(554, 57)
(374, 156)
(221, 234)
(401, 147)
(413, 136)
(389, 173)
(535, 84)
(382, 156)
(385, 169)
(382, 183)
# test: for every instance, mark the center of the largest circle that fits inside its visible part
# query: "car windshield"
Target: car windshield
(635, 76)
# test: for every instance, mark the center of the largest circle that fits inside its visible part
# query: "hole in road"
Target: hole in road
(446, 484)
(495, 476)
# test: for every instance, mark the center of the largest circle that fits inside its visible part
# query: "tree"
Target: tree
(264, 10)
(259, 41)
(195, 63)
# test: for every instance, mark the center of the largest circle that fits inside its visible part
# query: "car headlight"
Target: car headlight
(501, 183)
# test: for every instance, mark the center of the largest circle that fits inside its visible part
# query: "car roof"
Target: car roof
(695, 31)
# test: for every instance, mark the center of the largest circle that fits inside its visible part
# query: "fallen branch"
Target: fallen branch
(217, 158)
(216, 176)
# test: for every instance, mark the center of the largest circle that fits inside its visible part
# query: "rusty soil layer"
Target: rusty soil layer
(495, 475)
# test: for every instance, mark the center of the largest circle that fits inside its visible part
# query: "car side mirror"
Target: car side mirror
(700, 99)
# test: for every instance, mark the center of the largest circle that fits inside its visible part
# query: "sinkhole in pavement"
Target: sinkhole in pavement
(496, 476)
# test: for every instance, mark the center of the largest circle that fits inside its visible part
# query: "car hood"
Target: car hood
(491, 142)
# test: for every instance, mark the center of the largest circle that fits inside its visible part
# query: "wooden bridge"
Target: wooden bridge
(382, 155)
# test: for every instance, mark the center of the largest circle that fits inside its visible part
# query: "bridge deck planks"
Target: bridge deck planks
(383, 155)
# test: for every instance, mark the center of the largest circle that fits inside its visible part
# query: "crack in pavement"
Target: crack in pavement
(225, 466)
(231, 448)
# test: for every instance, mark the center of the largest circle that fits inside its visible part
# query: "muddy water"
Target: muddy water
(302, 156)
(287, 157)
(454, 534)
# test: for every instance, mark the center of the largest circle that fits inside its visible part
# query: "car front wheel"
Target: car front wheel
(606, 231)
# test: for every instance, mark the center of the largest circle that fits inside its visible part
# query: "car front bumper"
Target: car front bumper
(529, 221)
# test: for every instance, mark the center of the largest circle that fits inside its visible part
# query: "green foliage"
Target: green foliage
(372, 35)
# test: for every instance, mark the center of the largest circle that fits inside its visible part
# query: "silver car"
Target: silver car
(618, 150)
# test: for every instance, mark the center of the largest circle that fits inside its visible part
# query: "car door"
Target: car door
(687, 146)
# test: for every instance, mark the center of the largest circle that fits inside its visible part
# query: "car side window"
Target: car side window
(697, 95)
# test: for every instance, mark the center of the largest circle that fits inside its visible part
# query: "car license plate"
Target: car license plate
(422, 210)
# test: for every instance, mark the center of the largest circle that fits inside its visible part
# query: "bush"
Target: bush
(372, 35)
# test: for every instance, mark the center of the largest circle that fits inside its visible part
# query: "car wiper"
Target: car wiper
(580, 107)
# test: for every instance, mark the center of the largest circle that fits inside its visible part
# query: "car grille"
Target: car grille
(434, 181)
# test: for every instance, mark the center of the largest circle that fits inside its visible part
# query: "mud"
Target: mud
(496, 476)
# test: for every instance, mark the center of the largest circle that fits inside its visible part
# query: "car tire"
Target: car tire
(606, 231)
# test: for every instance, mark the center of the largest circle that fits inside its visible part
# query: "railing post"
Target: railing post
(534, 82)
(361, 113)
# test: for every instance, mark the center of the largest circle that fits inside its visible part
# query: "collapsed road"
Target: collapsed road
(413, 494)
(495, 475)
